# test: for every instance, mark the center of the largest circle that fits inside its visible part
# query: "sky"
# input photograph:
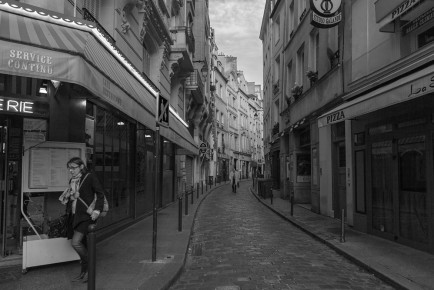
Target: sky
(237, 25)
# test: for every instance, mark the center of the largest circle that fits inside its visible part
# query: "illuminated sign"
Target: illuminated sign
(15, 106)
(325, 13)
(23, 106)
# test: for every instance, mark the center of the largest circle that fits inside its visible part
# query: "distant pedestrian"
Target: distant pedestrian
(83, 186)
(233, 179)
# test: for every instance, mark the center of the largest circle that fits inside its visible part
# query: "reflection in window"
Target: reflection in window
(112, 163)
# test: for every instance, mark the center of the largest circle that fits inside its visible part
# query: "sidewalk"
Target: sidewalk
(124, 260)
(401, 266)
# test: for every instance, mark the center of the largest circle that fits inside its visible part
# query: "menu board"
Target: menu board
(45, 165)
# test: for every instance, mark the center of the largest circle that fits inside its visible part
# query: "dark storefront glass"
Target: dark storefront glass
(113, 141)
(382, 186)
(413, 215)
(167, 192)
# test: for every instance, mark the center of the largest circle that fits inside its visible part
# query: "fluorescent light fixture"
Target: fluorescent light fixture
(43, 88)
(172, 110)
(148, 136)
(121, 123)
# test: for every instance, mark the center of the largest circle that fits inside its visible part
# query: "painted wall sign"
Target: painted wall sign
(335, 117)
(30, 61)
(326, 13)
(418, 22)
(401, 9)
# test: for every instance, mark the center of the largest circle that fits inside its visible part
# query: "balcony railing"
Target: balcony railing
(194, 80)
(89, 17)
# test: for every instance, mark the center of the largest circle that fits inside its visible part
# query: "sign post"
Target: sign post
(162, 118)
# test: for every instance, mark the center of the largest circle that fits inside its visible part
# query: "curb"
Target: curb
(181, 269)
(351, 258)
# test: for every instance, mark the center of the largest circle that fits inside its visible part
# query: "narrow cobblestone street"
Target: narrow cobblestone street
(237, 243)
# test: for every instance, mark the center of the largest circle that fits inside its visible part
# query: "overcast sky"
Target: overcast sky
(237, 24)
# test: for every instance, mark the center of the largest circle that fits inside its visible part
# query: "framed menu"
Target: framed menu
(44, 165)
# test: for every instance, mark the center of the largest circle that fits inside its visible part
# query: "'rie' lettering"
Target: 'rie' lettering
(335, 117)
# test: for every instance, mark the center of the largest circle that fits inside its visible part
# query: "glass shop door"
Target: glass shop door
(9, 194)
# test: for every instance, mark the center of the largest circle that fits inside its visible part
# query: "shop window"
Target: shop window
(112, 162)
(426, 37)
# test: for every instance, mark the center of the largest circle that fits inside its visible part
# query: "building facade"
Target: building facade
(82, 78)
(358, 114)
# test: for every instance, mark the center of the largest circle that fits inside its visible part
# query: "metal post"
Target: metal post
(197, 192)
(186, 203)
(179, 214)
(154, 200)
(343, 226)
(292, 204)
(271, 198)
(192, 194)
(91, 243)
(201, 184)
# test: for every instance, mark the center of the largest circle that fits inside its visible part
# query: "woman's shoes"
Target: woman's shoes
(80, 278)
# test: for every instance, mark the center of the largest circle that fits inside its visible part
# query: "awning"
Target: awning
(41, 44)
(407, 88)
(177, 133)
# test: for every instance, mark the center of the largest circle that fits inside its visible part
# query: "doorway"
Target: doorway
(10, 185)
(339, 192)
(399, 189)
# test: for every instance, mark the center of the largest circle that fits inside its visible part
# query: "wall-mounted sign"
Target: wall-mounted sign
(23, 106)
(326, 13)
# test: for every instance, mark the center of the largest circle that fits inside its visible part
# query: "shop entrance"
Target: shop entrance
(10, 176)
(399, 189)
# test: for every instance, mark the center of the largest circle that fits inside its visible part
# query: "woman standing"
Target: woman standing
(83, 187)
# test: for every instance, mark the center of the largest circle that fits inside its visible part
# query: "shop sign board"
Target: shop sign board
(326, 14)
(162, 111)
(203, 148)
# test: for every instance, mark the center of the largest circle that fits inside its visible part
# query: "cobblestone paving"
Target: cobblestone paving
(237, 243)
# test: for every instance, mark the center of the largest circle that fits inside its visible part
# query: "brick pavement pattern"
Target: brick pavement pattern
(238, 243)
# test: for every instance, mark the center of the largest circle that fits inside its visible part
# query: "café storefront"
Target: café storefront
(65, 91)
(389, 147)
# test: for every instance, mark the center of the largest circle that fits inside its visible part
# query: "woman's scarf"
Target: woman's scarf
(72, 193)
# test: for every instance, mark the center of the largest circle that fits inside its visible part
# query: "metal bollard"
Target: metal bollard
(192, 194)
(197, 192)
(292, 205)
(343, 226)
(202, 186)
(91, 243)
(271, 198)
(186, 203)
(179, 214)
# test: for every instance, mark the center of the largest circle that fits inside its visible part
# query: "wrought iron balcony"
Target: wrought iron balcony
(89, 17)
(194, 83)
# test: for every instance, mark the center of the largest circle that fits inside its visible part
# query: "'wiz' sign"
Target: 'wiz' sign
(325, 13)
(335, 117)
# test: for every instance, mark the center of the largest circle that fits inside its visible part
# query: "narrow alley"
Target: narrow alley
(237, 243)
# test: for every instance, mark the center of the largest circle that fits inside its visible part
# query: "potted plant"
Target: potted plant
(297, 91)
(312, 75)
